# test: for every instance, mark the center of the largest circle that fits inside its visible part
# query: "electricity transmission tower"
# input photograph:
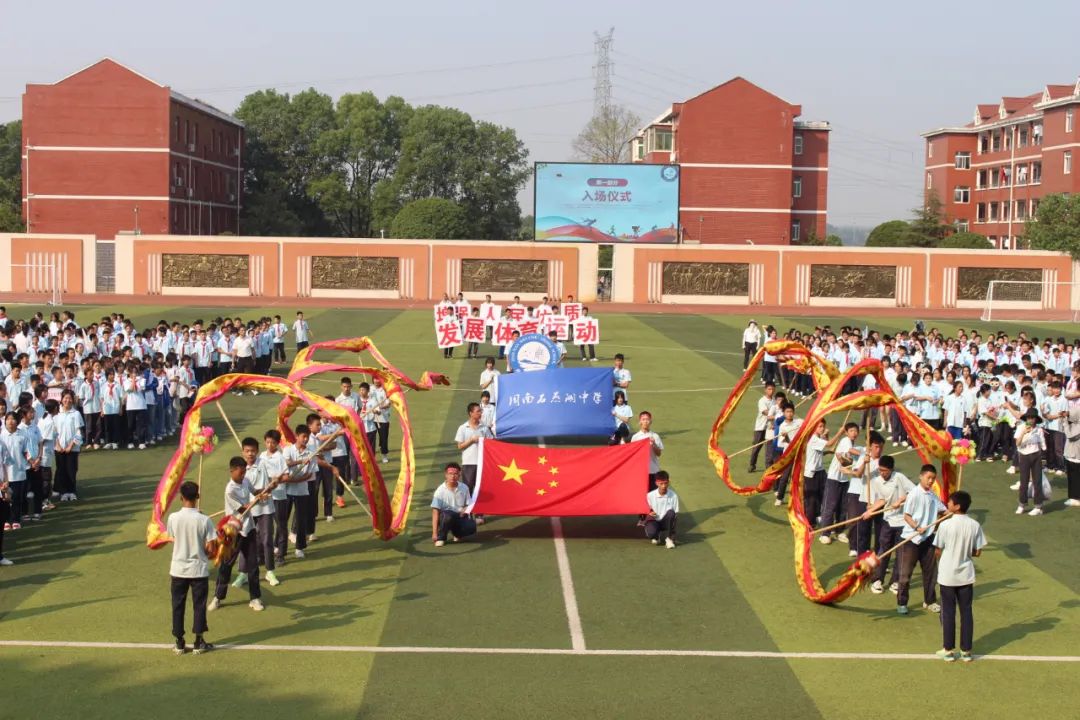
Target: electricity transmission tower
(602, 73)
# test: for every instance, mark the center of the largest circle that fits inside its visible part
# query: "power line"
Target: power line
(505, 88)
(658, 75)
(674, 73)
(535, 107)
(385, 76)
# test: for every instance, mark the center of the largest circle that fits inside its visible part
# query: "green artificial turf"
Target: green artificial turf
(84, 574)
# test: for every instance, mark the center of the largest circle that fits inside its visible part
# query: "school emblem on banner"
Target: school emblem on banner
(533, 352)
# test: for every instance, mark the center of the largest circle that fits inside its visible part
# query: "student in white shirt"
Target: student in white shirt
(1055, 408)
(889, 490)
(302, 331)
(663, 512)
(622, 413)
(621, 378)
(1030, 446)
(238, 497)
(272, 461)
(468, 438)
(762, 421)
(191, 532)
(836, 482)
(297, 494)
(380, 403)
(348, 399)
(785, 434)
(814, 472)
(751, 338)
(958, 540)
(279, 330)
(68, 443)
(921, 511)
(489, 380)
(449, 504)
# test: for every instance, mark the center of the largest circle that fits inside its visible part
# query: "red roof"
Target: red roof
(1059, 91)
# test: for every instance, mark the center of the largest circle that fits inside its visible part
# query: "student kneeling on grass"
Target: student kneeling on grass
(663, 512)
(448, 515)
(958, 540)
(191, 532)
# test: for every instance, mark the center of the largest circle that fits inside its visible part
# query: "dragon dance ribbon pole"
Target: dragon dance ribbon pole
(845, 523)
(828, 384)
(899, 545)
(231, 428)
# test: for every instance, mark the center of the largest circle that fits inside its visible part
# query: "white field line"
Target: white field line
(562, 559)
(418, 650)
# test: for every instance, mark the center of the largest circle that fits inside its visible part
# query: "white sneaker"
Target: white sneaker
(256, 605)
(292, 538)
(131, 446)
(1072, 502)
(142, 446)
(385, 459)
(1019, 509)
(1035, 511)
(254, 392)
(1015, 485)
(4, 562)
(669, 544)
(329, 518)
(312, 538)
(272, 578)
(440, 543)
(300, 554)
(1011, 470)
(213, 605)
(877, 588)
(895, 444)
(778, 502)
(842, 537)
(825, 539)
(654, 541)
(932, 607)
(853, 553)
(894, 588)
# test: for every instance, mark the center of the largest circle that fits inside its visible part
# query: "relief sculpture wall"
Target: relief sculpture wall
(354, 273)
(204, 271)
(972, 282)
(706, 278)
(853, 281)
(516, 276)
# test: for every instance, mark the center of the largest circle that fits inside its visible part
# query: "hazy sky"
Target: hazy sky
(880, 73)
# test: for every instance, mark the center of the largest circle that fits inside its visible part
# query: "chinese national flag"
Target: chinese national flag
(523, 480)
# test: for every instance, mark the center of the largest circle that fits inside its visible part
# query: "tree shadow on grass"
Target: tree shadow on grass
(23, 613)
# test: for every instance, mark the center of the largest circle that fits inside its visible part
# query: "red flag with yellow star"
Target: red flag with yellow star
(522, 480)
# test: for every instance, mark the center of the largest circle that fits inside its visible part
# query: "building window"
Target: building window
(1021, 174)
(930, 148)
(962, 161)
(798, 145)
(962, 195)
(187, 131)
(796, 226)
(995, 143)
(196, 140)
(1006, 208)
(1069, 120)
(796, 187)
(980, 213)
(1034, 208)
(983, 143)
(981, 179)
(1023, 138)
(176, 128)
(1036, 172)
(1021, 210)
(929, 182)
(1067, 157)
(993, 212)
(961, 226)
(1036, 135)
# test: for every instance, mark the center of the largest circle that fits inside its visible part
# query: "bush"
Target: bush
(430, 219)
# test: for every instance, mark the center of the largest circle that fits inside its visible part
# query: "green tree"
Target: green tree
(929, 225)
(1056, 225)
(813, 238)
(361, 152)
(526, 228)
(606, 137)
(430, 219)
(11, 177)
(966, 241)
(889, 234)
(281, 160)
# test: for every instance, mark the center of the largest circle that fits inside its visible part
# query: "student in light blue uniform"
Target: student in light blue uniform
(921, 510)
(663, 512)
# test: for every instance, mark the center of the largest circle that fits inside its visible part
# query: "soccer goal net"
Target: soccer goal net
(1031, 301)
(43, 278)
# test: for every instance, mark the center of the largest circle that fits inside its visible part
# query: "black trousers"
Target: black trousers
(832, 501)
(758, 442)
(383, 431)
(281, 529)
(1030, 467)
(769, 372)
(888, 536)
(468, 477)
(18, 500)
(621, 435)
(279, 352)
(92, 428)
(203, 374)
(36, 480)
(952, 598)
(749, 350)
(781, 484)
(921, 554)
(326, 485)
(297, 506)
(813, 488)
(300, 345)
(858, 533)
(899, 434)
(67, 468)
(342, 464)
(264, 530)
(1055, 450)
(592, 351)
(136, 426)
(200, 588)
(114, 429)
(452, 522)
(5, 515)
(247, 555)
(661, 528)
(1073, 473)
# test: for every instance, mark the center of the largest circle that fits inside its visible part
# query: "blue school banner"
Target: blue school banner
(551, 403)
